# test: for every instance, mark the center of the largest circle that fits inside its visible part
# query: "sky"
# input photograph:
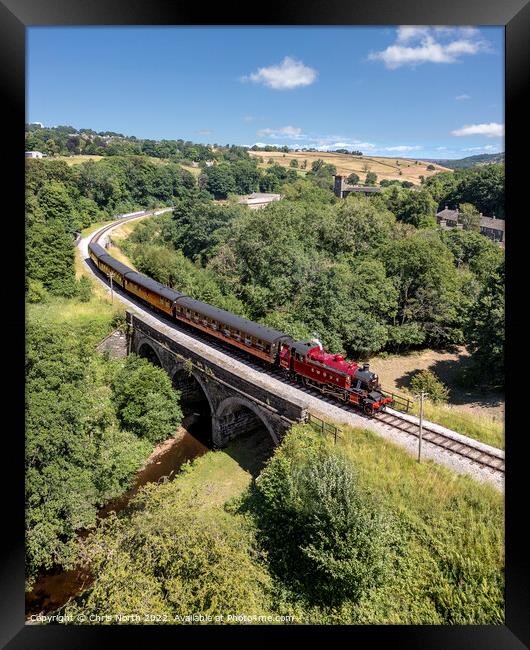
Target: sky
(412, 91)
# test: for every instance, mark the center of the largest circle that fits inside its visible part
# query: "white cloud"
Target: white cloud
(403, 147)
(204, 132)
(416, 45)
(491, 130)
(464, 96)
(486, 147)
(352, 146)
(290, 73)
(407, 33)
(248, 118)
(290, 132)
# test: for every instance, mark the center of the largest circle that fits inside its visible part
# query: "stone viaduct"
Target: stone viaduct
(234, 404)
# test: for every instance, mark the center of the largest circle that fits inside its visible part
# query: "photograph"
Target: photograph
(264, 327)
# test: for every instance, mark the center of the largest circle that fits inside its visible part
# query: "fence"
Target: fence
(400, 402)
(324, 427)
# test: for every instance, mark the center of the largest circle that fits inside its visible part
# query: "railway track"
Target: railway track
(480, 455)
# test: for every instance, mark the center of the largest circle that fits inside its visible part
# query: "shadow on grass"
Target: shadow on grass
(251, 450)
(451, 372)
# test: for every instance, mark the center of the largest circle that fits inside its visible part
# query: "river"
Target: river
(54, 587)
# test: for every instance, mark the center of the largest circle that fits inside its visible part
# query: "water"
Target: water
(53, 588)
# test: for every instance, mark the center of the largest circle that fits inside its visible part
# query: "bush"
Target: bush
(425, 380)
(84, 289)
(325, 538)
(146, 403)
(36, 291)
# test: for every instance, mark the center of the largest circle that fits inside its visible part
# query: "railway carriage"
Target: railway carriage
(261, 341)
(306, 361)
(154, 293)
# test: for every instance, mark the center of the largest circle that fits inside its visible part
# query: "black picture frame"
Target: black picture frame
(15, 17)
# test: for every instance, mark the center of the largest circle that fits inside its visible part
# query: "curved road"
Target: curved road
(326, 408)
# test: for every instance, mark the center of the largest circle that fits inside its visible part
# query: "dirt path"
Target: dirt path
(396, 372)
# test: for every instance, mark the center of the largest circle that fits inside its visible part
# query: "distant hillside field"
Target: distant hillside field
(81, 158)
(385, 168)
(471, 161)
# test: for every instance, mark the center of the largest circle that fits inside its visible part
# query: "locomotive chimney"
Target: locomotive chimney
(366, 366)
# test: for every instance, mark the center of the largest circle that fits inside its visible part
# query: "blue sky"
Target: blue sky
(425, 92)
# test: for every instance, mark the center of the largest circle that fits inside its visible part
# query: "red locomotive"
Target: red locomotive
(332, 374)
(305, 361)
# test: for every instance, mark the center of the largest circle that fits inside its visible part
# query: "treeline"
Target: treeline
(67, 141)
(366, 274)
(61, 200)
(481, 186)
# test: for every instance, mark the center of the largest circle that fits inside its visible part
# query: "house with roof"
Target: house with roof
(34, 154)
(489, 226)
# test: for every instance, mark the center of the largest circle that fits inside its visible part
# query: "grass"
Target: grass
(97, 314)
(91, 229)
(384, 167)
(448, 566)
(453, 562)
(77, 160)
(480, 427)
(81, 158)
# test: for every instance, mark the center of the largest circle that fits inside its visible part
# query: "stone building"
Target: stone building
(342, 189)
(489, 226)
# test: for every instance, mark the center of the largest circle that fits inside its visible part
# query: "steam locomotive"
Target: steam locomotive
(305, 361)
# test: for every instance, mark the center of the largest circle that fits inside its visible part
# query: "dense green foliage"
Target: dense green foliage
(427, 381)
(325, 538)
(486, 329)
(171, 559)
(481, 186)
(145, 400)
(365, 274)
(83, 442)
(434, 556)
(61, 200)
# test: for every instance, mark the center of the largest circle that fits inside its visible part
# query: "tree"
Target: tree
(427, 381)
(485, 330)
(428, 284)
(220, 181)
(146, 403)
(371, 178)
(469, 217)
(416, 207)
(325, 537)
(353, 179)
(431, 168)
(294, 163)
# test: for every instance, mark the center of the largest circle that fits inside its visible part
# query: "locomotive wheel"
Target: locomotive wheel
(368, 410)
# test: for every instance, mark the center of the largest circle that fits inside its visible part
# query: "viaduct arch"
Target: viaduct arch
(234, 404)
